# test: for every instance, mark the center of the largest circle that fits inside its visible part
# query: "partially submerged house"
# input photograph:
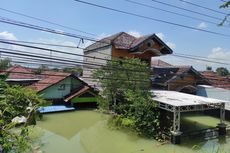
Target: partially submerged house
(19, 75)
(122, 45)
(177, 78)
(57, 87)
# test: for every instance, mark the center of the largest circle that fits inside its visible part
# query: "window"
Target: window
(61, 87)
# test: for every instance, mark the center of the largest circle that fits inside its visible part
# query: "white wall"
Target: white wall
(213, 92)
(103, 53)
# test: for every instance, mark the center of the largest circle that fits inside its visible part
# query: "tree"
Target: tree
(5, 63)
(40, 69)
(125, 92)
(225, 5)
(222, 71)
(16, 101)
(209, 68)
(75, 70)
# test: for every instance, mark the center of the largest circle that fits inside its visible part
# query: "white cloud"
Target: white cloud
(134, 33)
(202, 25)
(219, 53)
(160, 35)
(7, 35)
(171, 45)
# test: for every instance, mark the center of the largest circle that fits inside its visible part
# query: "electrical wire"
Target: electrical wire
(203, 7)
(175, 13)
(188, 10)
(46, 21)
(152, 19)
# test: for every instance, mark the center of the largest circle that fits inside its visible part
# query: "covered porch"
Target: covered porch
(178, 103)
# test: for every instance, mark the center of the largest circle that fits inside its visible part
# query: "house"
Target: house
(177, 78)
(216, 80)
(19, 75)
(58, 87)
(122, 45)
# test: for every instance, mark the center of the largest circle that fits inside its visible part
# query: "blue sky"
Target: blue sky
(103, 23)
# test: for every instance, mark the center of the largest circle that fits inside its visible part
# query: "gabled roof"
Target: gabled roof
(159, 63)
(216, 80)
(126, 41)
(18, 72)
(49, 78)
(167, 74)
(78, 93)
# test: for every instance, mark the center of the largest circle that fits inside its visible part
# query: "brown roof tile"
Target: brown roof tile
(19, 72)
(125, 41)
(216, 80)
(49, 78)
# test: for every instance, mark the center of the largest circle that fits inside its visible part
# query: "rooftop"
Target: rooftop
(48, 78)
(179, 99)
(126, 41)
(216, 80)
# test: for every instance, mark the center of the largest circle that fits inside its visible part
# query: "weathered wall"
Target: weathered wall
(57, 91)
(104, 53)
(184, 81)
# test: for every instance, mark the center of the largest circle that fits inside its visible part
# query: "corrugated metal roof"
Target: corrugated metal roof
(179, 99)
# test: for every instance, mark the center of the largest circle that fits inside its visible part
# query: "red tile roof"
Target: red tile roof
(216, 80)
(19, 72)
(49, 78)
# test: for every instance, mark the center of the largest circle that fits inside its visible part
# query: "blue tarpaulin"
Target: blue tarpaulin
(57, 108)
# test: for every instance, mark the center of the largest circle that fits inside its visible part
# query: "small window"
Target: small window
(61, 87)
(150, 43)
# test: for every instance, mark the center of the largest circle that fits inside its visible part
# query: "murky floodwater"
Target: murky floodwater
(87, 132)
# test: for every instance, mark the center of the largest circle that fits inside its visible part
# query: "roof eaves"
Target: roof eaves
(162, 43)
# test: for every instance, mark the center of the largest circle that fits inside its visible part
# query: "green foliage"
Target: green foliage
(222, 71)
(40, 69)
(77, 70)
(125, 92)
(5, 63)
(15, 101)
(209, 68)
(224, 6)
(120, 75)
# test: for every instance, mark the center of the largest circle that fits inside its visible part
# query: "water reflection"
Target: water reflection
(87, 132)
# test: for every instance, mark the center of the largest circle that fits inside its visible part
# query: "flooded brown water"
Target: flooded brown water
(87, 132)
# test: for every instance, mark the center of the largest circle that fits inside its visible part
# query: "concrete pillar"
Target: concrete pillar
(222, 125)
(176, 134)
(176, 137)
(222, 128)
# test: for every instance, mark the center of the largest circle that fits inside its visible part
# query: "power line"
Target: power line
(45, 29)
(200, 6)
(65, 75)
(71, 61)
(171, 12)
(68, 46)
(194, 58)
(188, 10)
(46, 21)
(182, 56)
(221, 59)
(152, 19)
(58, 51)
